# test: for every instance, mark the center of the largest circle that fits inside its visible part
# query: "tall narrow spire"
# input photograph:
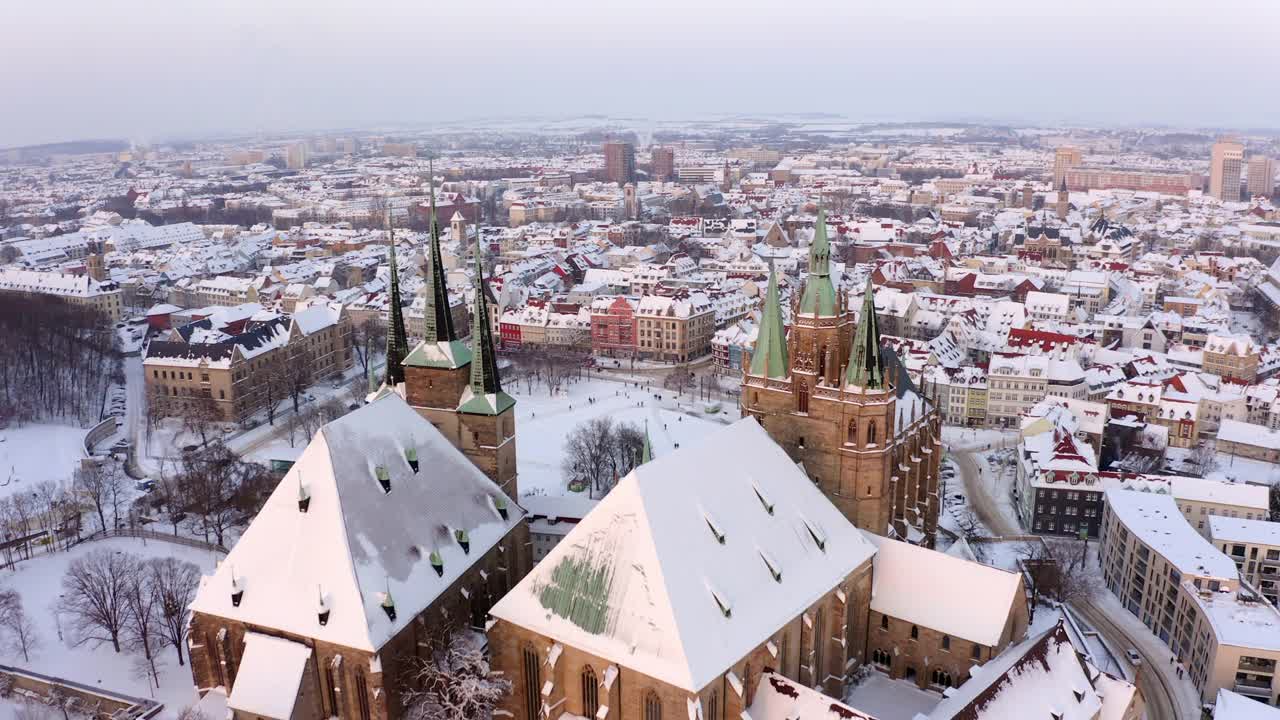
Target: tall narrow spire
(397, 340)
(646, 450)
(866, 367)
(484, 396)
(438, 318)
(769, 359)
(819, 296)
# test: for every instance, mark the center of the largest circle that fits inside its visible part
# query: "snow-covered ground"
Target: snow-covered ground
(887, 699)
(39, 580)
(33, 453)
(544, 421)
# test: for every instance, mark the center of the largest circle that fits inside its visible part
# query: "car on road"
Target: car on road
(1134, 658)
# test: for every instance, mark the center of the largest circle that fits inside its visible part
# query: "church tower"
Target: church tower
(844, 408)
(437, 371)
(397, 340)
(1064, 202)
(486, 413)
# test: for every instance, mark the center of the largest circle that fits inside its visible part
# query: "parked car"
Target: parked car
(1134, 658)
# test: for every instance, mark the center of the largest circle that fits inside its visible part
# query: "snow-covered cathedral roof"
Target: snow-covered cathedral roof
(356, 543)
(693, 560)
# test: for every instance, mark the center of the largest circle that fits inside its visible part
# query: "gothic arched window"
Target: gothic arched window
(871, 432)
(652, 706)
(852, 437)
(802, 399)
(590, 692)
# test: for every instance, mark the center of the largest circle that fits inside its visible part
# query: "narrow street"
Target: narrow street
(1156, 689)
(978, 490)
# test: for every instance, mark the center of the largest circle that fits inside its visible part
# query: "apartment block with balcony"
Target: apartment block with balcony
(1190, 595)
(1254, 546)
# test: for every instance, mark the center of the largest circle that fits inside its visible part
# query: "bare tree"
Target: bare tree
(200, 417)
(367, 338)
(220, 488)
(94, 590)
(456, 684)
(191, 712)
(100, 484)
(589, 453)
(14, 620)
(142, 618)
(1203, 459)
(53, 507)
(174, 582)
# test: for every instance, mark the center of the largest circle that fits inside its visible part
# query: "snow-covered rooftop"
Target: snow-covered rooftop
(905, 579)
(357, 543)
(679, 572)
(269, 676)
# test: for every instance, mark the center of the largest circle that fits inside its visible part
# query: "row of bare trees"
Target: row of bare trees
(599, 451)
(47, 507)
(57, 360)
(118, 598)
(213, 490)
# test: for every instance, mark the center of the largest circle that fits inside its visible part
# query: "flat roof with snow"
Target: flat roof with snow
(1156, 520)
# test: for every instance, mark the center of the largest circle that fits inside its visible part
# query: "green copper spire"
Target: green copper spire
(397, 340)
(439, 321)
(819, 297)
(646, 450)
(770, 356)
(866, 367)
(485, 395)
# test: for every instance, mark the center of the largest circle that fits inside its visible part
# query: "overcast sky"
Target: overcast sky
(151, 69)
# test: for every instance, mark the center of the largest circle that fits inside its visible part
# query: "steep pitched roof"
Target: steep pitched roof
(769, 359)
(355, 542)
(484, 396)
(819, 297)
(1038, 678)
(679, 572)
(866, 367)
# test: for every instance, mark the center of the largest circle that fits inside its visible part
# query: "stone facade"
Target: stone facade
(932, 659)
(832, 632)
(350, 683)
(877, 465)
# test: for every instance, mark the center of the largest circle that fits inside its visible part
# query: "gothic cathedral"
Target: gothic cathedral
(844, 408)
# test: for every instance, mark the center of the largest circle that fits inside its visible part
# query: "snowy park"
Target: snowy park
(39, 582)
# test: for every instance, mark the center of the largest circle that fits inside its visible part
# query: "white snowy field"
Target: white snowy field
(39, 580)
(33, 453)
(543, 422)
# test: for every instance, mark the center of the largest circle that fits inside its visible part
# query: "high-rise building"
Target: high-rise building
(1225, 163)
(1064, 158)
(619, 162)
(664, 163)
(297, 156)
(1262, 176)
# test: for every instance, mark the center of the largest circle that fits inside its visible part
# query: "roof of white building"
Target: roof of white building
(679, 572)
(1245, 433)
(1240, 530)
(1195, 489)
(1233, 706)
(1155, 519)
(904, 575)
(355, 544)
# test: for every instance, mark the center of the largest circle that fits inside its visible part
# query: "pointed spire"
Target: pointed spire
(397, 340)
(866, 367)
(769, 359)
(484, 396)
(438, 319)
(646, 450)
(819, 296)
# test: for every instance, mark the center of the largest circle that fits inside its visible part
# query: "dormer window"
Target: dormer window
(411, 457)
(237, 590)
(384, 478)
(437, 563)
(388, 605)
(464, 541)
(500, 504)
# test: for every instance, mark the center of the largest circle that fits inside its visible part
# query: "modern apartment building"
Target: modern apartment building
(1261, 177)
(1190, 595)
(1254, 546)
(664, 163)
(1226, 161)
(1064, 158)
(619, 162)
